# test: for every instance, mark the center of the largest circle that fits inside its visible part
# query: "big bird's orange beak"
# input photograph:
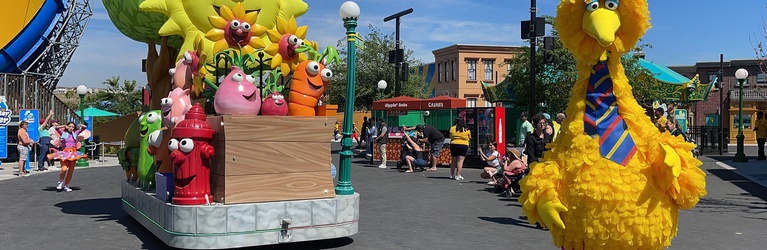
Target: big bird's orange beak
(601, 24)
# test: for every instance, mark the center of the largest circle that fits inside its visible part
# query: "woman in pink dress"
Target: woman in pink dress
(69, 141)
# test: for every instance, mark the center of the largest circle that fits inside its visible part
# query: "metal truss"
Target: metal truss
(60, 45)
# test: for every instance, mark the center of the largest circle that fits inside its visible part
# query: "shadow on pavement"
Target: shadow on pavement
(320, 244)
(53, 189)
(752, 188)
(508, 221)
(110, 209)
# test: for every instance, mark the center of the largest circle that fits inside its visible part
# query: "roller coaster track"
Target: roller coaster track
(61, 44)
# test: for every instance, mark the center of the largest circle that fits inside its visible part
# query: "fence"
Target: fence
(25, 92)
(709, 138)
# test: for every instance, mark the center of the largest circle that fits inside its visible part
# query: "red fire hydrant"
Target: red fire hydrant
(191, 153)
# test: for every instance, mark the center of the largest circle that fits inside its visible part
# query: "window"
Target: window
(488, 104)
(472, 69)
(761, 79)
(471, 102)
(746, 121)
(453, 67)
(439, 73)
(488, 70)
(446, 72)
(712, 75)
(508, 67)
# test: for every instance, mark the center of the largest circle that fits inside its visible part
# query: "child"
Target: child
(493, 163)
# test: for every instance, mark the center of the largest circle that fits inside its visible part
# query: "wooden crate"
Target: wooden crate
(271, 158)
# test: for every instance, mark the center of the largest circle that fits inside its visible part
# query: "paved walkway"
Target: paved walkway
(398, 211)
(10, 170)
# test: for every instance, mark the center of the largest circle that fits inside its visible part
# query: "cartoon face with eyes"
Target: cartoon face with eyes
(275, 105)
(237, 94)
(309, 83)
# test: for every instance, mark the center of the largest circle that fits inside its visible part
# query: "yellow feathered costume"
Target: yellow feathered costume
(626, 199)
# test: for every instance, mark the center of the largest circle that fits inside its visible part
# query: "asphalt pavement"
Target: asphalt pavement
(397, 211)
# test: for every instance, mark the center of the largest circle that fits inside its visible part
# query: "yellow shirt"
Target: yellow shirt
(459, 138)
(761, 128)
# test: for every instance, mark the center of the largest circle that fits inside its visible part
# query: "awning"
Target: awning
(398, 103)
(443, 102)
(663, 73)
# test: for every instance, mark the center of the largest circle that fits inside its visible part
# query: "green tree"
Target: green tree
(372, 66)
(120, 97)
(554, 80)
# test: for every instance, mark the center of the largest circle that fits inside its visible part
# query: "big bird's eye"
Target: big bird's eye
(594, 5)
(313, 68)
(611, 4)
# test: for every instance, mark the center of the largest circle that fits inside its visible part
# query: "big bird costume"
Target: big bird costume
(611, 180)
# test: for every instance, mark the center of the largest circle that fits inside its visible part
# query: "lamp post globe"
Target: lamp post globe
(381, 85)
(740, 156)
(82, 90)
(349, 12)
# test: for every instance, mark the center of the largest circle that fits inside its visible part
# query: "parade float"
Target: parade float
(232, 149)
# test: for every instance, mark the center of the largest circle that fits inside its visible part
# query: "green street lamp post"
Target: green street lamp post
(349, 12)
(741, 75)
(82, 90)
(381, 87)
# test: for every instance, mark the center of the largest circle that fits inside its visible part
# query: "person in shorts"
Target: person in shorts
(435, 138)
(418, 156)
(25, 143)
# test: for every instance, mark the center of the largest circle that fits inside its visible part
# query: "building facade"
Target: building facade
(460, 70)
(754, 95)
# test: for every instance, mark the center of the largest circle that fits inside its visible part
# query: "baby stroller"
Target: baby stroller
(508, 183)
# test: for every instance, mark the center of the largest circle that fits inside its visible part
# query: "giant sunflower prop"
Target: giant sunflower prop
(236, 29)
(285, 40)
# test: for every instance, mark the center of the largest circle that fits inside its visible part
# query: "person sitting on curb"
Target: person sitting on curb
(418, 156)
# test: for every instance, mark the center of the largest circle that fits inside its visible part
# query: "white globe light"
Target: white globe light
(381, 84)
(741, 74)
(82, 90)
(349, 10)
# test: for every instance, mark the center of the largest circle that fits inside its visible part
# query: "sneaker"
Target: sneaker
(452, 177)
(458, 178)
(67, 189)
(61, 184)
(381, 166)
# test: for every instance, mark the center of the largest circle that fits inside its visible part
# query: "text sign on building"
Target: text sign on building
(3, 142)
(396, 112)
(5, 112)
(395, 105)
(436, 105)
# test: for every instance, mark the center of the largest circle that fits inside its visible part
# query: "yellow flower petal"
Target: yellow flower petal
(285, 68)
(282, 26)
(247, 50)
(251, 18)
(256, 42)
(274, 36)
(272, 49)
(198, 43)
(302, 57)
(217, 22)
(226, 13)
(277, 61)
(301, 32)
(257, 30)
(291, 28)
(239, 11)
(220, 45)
(215, 34)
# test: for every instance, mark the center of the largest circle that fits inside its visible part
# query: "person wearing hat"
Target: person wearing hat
(44, 144)
(435, 138)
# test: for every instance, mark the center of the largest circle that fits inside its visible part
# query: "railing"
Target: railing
(708, 138)
(749, 94)
(25, 92)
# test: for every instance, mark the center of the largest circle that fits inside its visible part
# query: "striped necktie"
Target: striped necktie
(602, 119)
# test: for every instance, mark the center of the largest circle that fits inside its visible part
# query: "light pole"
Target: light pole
(81, 91)
(381, 87)
(349, 12)
(741, 75)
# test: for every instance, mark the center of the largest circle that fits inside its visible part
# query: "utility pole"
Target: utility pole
(397, 55)
(721, 103)
(531, 103)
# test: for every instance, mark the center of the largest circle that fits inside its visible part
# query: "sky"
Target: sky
(684, 31)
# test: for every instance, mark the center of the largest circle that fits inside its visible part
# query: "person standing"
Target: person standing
(459, 147)
(761, 134)
(69, 155)
(535, 143)
(365, 126)
(524, 130)
(558, 120)
(660, 119)
(382, 140)
(372, 133)
(24, 146)
(43, 145)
